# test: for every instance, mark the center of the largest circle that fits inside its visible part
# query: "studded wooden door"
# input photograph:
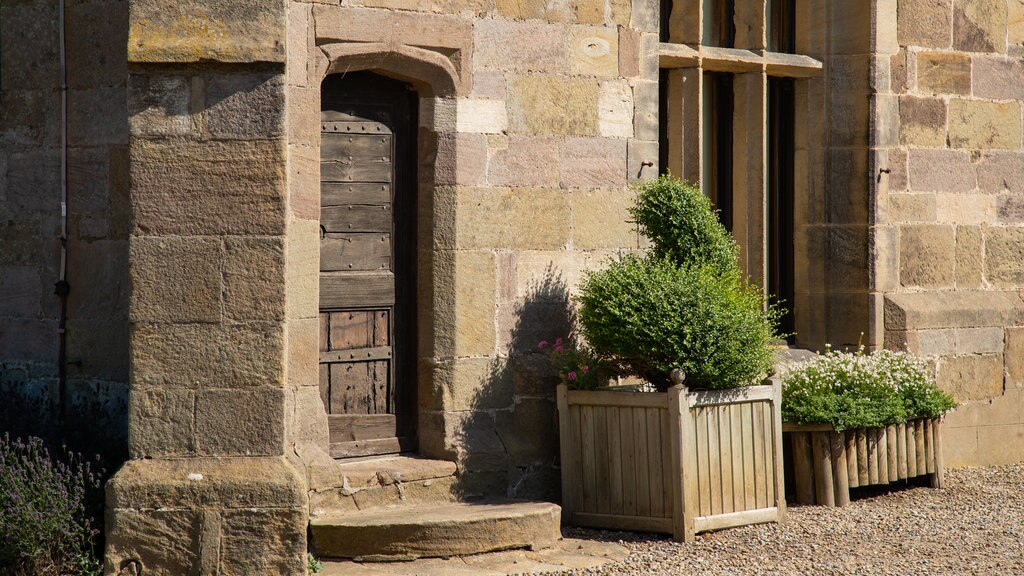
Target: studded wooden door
(366, 268)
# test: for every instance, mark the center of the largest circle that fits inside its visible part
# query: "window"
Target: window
(731, 77)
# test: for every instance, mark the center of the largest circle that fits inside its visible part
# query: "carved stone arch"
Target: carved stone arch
(430, 72)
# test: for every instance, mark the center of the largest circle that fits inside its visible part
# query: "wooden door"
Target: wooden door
(367, 310)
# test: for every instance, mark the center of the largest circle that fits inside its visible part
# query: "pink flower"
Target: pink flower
(586, 369)
(571, 375)
(542, 344)
(558, 342)
(558, 348)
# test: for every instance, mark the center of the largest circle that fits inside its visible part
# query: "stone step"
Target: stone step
(436, 530)
(376, 482)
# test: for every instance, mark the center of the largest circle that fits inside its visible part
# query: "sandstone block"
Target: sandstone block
(159, 105)
(593, 163)
(244, 106)
(263, 542)
(963, 446)
(254, 272)
(965, 208)
(849, 258)
(615, 109)
(524, 161)
(926, 23)
(1015, 21)
(885, 124)
(600, 219)
(157, 541)
(489, 85)
(527, 430)
(552, 105)
(629, 52)
(21, 287)
(918, 310)
(1010, 208)
(96, 45)
(645, 116)
(236, 422)
(306, 419)
(943, 73)
(253, 354)
(1014, 357)
(474, 304)
(95, 116)
(926, 256)
(30, 30)
(972, 377)
(642, 160)
(884, 272)
(159, 359)
(922, 122)
(195, 31)
(32, 184)
(175, 279)
(594, 51)
(998, 78)
(182, 187)
(162, 423)
(522, 9)
(590, 11)
(979, 25)
(940, 342)
(516, 218)
(473, 384)
(979, 340)
(968, 257)
(1004, 256)
(481, 116)
(645, 17)
(847, 173)
(898, 81)
(983, 125)
(999, 171)
(999, 445)
(940, 171)
(538, 47)
(300, 41)
(303, 270)
(911, 208)
(521, 325)
(465, 157)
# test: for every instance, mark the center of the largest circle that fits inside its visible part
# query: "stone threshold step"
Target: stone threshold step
(436, 530)
(387, 470)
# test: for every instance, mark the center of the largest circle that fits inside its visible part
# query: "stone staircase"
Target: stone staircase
(402, 508)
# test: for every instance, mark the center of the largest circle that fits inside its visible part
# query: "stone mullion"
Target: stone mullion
(750, 209)
(751, 29)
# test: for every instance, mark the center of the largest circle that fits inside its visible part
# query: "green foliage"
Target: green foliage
(576, 365)
(856, 390)
(48, 512)
(682, 225)
(648, 316)
(313, 565)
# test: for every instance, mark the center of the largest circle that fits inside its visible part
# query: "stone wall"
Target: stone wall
(950, 235)
(97, 215)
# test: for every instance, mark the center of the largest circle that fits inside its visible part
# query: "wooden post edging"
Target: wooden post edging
(826, 463)
(568, 457)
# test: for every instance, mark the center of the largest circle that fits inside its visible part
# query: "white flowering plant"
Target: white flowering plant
(859, 390)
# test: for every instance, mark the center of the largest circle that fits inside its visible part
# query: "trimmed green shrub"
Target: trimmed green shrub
(682, 225)
(48, 511)
(857, 390)
(648, 316)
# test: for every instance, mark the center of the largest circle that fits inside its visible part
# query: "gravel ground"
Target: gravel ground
(973, 526)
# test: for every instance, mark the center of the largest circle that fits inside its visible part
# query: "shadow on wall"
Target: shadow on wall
(508, 440)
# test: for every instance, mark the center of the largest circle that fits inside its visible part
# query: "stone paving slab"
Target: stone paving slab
(567, 554)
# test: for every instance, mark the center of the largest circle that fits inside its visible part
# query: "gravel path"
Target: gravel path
(973, 526)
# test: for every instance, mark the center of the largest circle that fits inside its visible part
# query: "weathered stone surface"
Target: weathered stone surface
(263, 542)
(979, 25)
(926, 23)
(236, 422)
(387, 471)
(998, 78)
(911, 208)
(538, 47)
(920, 310)
(522, 218)
(941, 342)
(940, 170)
(922, 121)
(96, 116)
(926, 256)
(979, 340)
(433, 531)
(968, 257)
(526, 431)
(1010, 208)
(419, 492)
(615, 109)
(467, 384)
(600, 220)
(965, 208)
(196, 188)
(175, 279)
(999, 171)
(159, 105)
(158, 541)
(481, 116)
(972, 377)
(552, 105)
(645, 116)
(1015, 21)
(29, 29)
(162, 422)
(943, 73)
(466, 159)
(593, 163)
(976, 124)
(642, 160)
(849, 258)
(1004, 256)
(523, 161)
(244, 106)
(193, 31)
(1014, 343)
(489, 85)
(253, 278)
(594, 51)
(474, 296)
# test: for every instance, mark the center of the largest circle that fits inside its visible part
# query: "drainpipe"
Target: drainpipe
(61, 288)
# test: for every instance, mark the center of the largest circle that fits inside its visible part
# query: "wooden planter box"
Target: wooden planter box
(680, 462)
(826, 463)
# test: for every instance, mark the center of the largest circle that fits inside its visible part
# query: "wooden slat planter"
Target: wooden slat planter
(826, 463)
(680, 462)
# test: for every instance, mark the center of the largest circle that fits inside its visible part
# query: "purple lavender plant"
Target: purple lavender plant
(47, 510)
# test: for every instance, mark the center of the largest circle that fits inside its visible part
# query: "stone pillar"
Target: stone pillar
(210, 488)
